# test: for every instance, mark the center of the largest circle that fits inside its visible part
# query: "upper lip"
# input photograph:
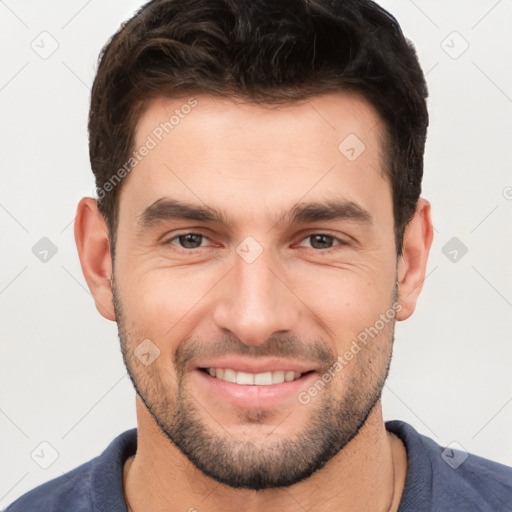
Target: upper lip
(256, 365)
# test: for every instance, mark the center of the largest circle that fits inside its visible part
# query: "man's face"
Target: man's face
(276, 291)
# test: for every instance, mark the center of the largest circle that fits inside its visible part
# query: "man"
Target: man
(258, 231)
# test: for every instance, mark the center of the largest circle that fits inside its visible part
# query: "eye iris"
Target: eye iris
(190, 238)
(322, 239)
(192, 241)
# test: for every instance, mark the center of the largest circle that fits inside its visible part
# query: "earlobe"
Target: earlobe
(91, 237)
(412, 266)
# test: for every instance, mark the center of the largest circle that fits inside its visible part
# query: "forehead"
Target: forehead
(323, 119)
(253, 158)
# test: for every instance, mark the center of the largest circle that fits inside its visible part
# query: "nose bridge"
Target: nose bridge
(256, 303)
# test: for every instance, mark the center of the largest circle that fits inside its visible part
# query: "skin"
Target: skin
(254, 164)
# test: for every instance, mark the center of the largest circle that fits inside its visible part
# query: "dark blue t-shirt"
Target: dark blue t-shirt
(438, 480)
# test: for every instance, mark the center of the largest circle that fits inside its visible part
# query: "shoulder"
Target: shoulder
(70, 491)
(94, 485)
(448, 478)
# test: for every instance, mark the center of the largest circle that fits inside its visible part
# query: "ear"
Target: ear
(91, 237)
(412, 266)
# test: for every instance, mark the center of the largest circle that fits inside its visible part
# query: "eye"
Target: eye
(323, 241)
(187, 240)
(190, 241)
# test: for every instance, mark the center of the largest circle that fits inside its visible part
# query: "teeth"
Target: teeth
(263, 379)
(257, 379)
(288, 376)
(228, 375)
(244, 378)
(277, 377)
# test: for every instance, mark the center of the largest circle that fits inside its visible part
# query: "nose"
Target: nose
(256, 301)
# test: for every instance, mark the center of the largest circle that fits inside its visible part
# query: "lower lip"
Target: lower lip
(259, 397)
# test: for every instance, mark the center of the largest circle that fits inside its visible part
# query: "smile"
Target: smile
(253, 379)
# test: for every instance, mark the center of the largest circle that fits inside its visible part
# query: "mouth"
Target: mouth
(268, 378)
(249, 384)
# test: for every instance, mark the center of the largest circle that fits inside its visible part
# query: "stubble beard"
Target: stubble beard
(264, 462)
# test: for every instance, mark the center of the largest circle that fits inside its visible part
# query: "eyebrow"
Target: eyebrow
(166, 209)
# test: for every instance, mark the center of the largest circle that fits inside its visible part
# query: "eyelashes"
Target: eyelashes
(191, 239)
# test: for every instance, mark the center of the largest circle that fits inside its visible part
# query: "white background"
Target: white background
(62, 377)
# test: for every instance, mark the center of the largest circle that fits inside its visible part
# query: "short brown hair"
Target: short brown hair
(267, 52)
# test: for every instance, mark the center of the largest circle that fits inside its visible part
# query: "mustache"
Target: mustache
(289, 346)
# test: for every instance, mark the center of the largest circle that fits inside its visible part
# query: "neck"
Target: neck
(368, 474)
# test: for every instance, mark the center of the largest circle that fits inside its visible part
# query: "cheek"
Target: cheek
(167, 304)
(345, 300)
(161, 303)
